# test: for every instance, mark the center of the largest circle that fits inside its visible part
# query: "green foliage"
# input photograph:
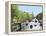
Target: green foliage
(29, 16)
(14, 11)
(39, 16)
(19, 15)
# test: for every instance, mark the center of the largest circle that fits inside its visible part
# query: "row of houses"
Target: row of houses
(32, 25)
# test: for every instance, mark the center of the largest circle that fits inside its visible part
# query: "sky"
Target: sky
(35, 9)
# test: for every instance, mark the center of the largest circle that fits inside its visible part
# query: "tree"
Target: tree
(29, 16)
(14, 12)
(39, 16)
(19, 15)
